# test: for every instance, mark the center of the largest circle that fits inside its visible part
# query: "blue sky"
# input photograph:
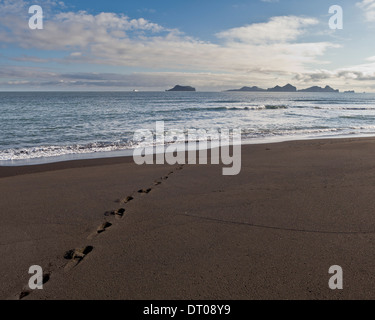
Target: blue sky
(211, 45)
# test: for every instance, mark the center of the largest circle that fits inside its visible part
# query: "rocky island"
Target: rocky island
(182, 88)
(248, 89)
(319, 89)
(287, 88)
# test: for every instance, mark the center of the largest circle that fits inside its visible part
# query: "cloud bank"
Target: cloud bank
(253, 53)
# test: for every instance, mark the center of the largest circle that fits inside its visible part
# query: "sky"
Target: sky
(212, 45)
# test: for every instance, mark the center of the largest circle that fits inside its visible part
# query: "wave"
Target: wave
(226, 108)
(275, 107)
(256, 107)
(333, 107)
(314, 131)
(327, 101)
(56, 151)
(292, 131)
(101, 147)
(358, 117)
(225, 101)
(345, 108)
(245, 108)
(308, 100)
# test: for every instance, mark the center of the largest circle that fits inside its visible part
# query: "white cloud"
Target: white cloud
(278, 29)
(359, 77)
(143, 81)
(253, 52)
(368, 6)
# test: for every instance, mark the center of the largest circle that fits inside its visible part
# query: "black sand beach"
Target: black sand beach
(272, 232)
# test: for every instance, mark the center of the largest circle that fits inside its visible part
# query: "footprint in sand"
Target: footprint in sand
(24, 294)
(126, 200)
(27, 291)
(103, 227)
(76, 256)
(117, 213)
(144, 190)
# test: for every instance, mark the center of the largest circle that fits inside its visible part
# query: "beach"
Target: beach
(188, 232)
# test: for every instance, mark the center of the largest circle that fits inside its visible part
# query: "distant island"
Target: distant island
(248, 89)
(287, 88)
(182, 88)
(319, 89)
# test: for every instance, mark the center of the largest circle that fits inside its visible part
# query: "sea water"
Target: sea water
(39, 127)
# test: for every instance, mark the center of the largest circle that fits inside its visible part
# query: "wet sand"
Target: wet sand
(271, 232)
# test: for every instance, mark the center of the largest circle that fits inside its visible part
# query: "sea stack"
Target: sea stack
(182, 88)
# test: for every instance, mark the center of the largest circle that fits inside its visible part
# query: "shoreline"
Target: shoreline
(187, 232)
(128, 153)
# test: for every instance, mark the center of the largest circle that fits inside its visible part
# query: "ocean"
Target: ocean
(39, 127)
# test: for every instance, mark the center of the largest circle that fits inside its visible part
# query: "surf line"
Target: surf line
(176, 149)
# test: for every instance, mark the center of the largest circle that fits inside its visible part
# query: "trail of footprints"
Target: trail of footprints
(27, 291)
(75, 256)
